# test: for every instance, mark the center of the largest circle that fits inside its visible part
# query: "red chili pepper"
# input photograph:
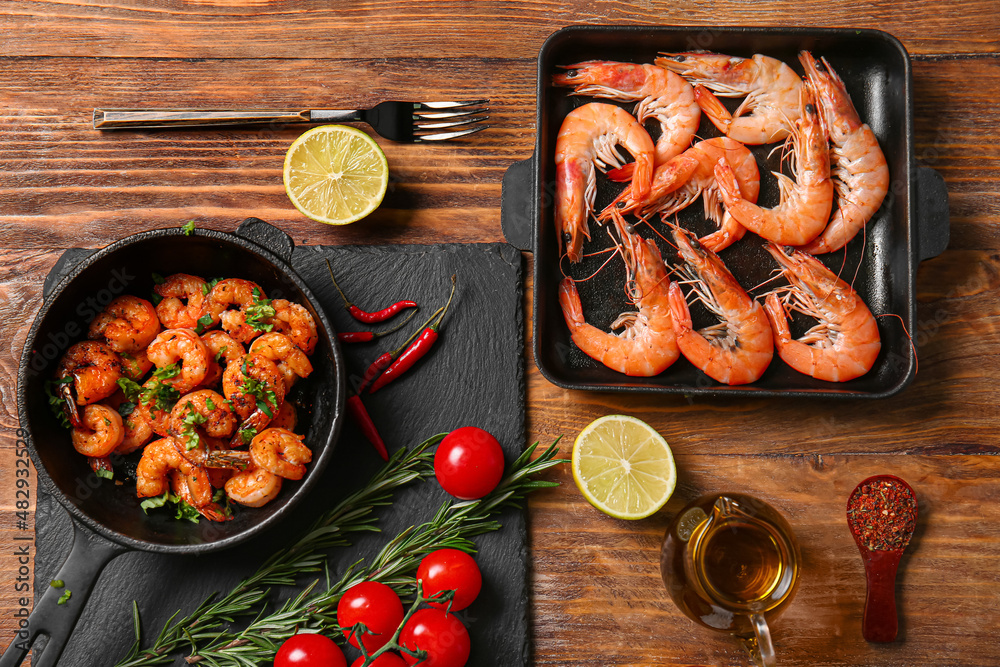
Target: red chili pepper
(367, 426)
(385, 359)
(417, 349)
(365, 316)
(369, 336)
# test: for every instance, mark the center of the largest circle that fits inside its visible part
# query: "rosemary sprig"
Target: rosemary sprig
(353, 514)
(451, 527)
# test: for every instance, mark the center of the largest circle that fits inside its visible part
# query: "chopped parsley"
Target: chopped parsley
(182, 509)
(64, 598)
(209, 403)
(157, 278)
(203, 321)
(207, 287)
(126, 408)
(247, 434)
(105, 473)
(259, 313)
(155, 296)
(192, 420)
(57, 402)
(57, 583)
(155, 393)
(188, 228)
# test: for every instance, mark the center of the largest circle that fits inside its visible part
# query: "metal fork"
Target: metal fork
(411, 122)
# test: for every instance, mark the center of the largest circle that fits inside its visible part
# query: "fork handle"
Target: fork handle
(113, 119)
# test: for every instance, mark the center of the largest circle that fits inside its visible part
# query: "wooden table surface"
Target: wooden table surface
(597, 598)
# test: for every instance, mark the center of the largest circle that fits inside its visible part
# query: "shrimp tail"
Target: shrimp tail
(713, 108)
(69, 401)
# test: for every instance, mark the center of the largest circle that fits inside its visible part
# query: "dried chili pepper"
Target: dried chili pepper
(416, 350)
(369, 336)
(364, 421)
(386, 358)
(883, 514)
(365, 316)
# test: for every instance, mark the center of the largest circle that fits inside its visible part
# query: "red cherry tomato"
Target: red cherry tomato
(374, 604)
(442, 635)
(468, 463)
(309, 650)
(450, 570)
(384, 660)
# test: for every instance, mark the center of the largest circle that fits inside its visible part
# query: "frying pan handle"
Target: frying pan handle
(933, 227)
(88, 557)
(268, 237)
(517, 205)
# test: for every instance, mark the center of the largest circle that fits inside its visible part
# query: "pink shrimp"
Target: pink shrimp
(223, 350)
(845, 342)
(184, 346)
(280, 451)
(100, 431)
(87, 373)
(135, 365)
(679, 182)
(183, 301)
(128, 324)
(290, 360)
(646, 346)
(738, 349)
(860, 172)
(295, 321)
(254, 487)
(241, 307)
(159, 459)
(588, 136)
(190, 488)
(771, 88)
(660, 93)
(255, 388)
(805, 204)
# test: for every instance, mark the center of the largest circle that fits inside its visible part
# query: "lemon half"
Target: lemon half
(335, 174)
(623, 467)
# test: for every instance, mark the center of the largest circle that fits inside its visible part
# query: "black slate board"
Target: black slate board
(474, 376)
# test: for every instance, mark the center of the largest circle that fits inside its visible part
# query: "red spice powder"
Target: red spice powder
(883, 514)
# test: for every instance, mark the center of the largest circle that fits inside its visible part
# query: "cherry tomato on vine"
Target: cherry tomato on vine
(374, 604)
(309, 650)
(468, 463)
(384, 660)
(442, 635)
(450, 570)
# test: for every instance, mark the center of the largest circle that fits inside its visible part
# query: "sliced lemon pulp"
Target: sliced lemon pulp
(623, 467)
(335, 174)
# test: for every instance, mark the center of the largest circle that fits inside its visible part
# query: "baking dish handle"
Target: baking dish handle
(517, 206)
(56, 613)
(268, 237)
(933, 226)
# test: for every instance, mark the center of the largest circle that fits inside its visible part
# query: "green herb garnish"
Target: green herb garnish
(64, 598)
(192, 420)
(188, 228)
(259, 313)
(57, 583)
(57, 402)
(105, 473)
(126, 408)
(207, 287)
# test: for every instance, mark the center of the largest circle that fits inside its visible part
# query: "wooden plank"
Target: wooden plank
(217, 28)
(599, 599)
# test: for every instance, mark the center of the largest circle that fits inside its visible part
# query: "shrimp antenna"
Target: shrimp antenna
(614, 251)
(916, 361)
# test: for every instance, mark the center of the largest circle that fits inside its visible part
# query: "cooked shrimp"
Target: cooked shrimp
(223, 350)
(739, 348)
(128, 324)
(280, 451)
(254, 487)
(255, 388)
(860, 172)
(845, 342)
(295, 321)
(202, 410)
(138, 431)
(805, 204)
(190, 489)
(135, 365)
(661, 94)
(286, 417)
(588, 136)
(290, 360)
(90, 371)
(678, 183)
(159, 459)
(646, 347)
(237, 303)
(183, 301)
(100, 431)
(771, 87)
(184, 346)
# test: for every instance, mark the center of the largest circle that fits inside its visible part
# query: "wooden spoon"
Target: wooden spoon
(881, 550)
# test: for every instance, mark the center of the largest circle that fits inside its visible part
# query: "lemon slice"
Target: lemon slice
(335, 174)
(623, 467)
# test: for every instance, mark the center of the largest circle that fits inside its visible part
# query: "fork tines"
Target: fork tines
(461, 117)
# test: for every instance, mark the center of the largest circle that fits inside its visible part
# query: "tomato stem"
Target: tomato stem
(393, 644)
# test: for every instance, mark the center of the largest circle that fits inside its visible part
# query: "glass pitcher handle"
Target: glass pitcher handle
(759, 646)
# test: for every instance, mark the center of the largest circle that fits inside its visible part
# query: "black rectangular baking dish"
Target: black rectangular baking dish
(911, 226)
